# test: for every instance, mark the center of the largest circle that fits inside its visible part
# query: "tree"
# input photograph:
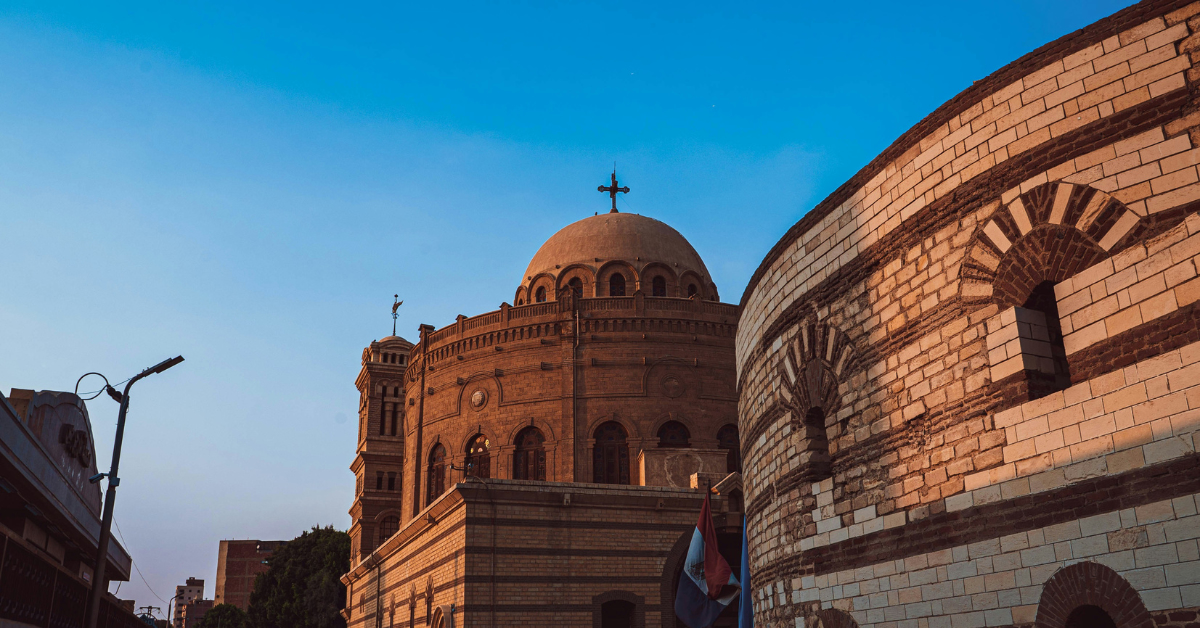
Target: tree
(224, 616)
(302, 587)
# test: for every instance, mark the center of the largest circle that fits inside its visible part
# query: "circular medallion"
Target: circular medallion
(479, 399)
(672, 387)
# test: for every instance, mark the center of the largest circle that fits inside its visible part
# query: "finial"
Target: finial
(613, 189)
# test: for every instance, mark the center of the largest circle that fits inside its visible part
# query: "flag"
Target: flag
(746, 603)
(707, 584)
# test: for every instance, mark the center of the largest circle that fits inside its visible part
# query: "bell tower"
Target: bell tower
(379, 464)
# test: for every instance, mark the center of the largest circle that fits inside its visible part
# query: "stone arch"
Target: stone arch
(578, 271)
(811, 366)
(658, 269)
(546, 428)
(638, 602)
(521, 297)
(604, 276)
(1049, 233)
(689, 277)
(1090, 584)
(485, 381)
(544, 281)
(676, 417)
(669, 583)
(631, 430)
(833, 618)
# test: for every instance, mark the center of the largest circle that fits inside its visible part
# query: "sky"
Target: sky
(248, 184)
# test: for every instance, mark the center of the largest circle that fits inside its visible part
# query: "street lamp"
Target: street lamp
(98, 587)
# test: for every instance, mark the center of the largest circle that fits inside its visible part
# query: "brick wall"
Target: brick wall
(941, 402)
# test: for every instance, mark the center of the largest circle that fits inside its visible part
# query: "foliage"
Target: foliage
(302, 587)
(224, 616)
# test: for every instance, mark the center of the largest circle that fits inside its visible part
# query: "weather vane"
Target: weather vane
(612, 191)
(395, 306)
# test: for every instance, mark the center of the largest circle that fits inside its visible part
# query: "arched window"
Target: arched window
(529, 460)
(540, 295)
(479, 463)
(1088, 616)
(818, 441)
(610, 457)
(674, 434)
(576, 286)
(658, 286)
(727, 439)
(616, 285)
(1042, 299)
(437, 473)
(389, 526)
(691, 290)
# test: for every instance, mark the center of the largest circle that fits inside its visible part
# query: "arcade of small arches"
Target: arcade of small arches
(616, 279)
(610, 455)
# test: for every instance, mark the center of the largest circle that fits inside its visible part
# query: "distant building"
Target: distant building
(50, 515)
(238, 564)
(195, 611)
(191, 590)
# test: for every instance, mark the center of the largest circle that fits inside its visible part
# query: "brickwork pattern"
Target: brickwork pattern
(945, 232)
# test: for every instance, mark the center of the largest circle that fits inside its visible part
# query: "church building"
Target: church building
(544, 464)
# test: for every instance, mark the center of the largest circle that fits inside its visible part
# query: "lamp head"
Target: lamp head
(96, 478)
(166, 364)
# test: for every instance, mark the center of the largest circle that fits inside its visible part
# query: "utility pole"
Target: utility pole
(99, 586)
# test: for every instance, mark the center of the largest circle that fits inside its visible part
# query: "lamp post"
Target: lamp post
(110, 496)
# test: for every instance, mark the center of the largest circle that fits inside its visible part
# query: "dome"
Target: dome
(615, 236)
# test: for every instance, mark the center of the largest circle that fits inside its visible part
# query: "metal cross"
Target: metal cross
(612, 191)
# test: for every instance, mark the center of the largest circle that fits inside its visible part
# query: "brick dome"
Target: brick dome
(631, 238)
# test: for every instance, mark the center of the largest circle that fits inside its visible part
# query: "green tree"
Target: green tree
(224, 616)
(302, 587)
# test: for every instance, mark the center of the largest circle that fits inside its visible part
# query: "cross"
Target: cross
(612, 191)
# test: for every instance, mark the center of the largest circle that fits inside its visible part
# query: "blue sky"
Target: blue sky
(248, 185)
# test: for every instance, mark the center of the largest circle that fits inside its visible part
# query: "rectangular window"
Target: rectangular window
(379, 480)
(382, 420)
(391, 481)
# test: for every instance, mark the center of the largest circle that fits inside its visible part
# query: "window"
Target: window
(379, 480)
(520, 301)
(395, 417)
(478, 461)
(610, 457)
(1043, 300)
(437, 473)
(818, 442)
(389, 526)
(691, 290)
(529, 460)
(391, 481)
(674, 434)
(658, 286)
(576, 287)
(396, 391)
(383, 421)
(727, 439)
(616, 285)
(540, 295)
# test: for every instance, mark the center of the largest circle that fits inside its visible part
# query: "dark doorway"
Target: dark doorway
(617, 614)
(1089, 616)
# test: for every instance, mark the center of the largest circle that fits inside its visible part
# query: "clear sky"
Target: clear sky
(249, 184)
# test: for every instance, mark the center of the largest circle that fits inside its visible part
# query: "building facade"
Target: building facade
(968, 380)
(50, 515)
(533, 443)
(191, 590)
(238, 564)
